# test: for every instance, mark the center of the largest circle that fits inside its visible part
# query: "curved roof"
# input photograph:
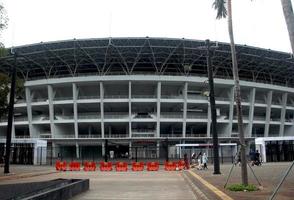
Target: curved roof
(161, 56)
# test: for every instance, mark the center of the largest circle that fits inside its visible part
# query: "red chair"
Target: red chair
(152, 166)
(170, 166)
(89, 166)
(137, 166)
(121, 166)
(181, 164)
(60, 165)
(105, 166)
(74, 166)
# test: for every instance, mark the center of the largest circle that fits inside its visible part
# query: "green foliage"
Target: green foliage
(241, 187)
(5, 89)
(220, 7)
(3, 18)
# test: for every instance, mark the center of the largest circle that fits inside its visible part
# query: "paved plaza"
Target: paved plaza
(162, 184)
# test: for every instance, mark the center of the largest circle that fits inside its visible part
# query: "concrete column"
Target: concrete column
(75, 109)
(158, 109)
(158, 149)
(103, 149)
(185, 91)
(51, 110)
(231, 111)
(283, 114)
(29, 110)
(208, 119)
(130, 109)
(251, 111)
(130, 149)
(77, 151)
(268, 113)
(102, 108)
(13, 130)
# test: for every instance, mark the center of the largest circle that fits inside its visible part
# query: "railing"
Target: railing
(142, 135)
(89, 116)
(275, 119)
(89, 136)
(40, 118)
(88, 97)
(20, 101)
(45, 136)
(197, 116)
(61, 117)
(116, 115)
(20, 119)
(150, 96)
(197, 97)
(259, 118)
(62, 98)
(148, 115)
(39, 100)
(171, 96)
(196, 135)
(143, 131)
(171, 115)
(116, 135)
(259, 101)
(64, 136)
(171, 135)
(22, 136)
(116, 96)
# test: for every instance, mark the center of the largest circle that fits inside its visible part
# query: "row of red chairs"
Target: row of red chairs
(119, 166)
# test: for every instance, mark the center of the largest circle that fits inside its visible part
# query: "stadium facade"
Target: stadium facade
(143, 91)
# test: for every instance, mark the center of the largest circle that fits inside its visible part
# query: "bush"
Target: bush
(241, 187)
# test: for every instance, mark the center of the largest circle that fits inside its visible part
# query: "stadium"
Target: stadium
(140, 94)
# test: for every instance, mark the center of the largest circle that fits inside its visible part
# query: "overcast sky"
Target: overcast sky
(257, 23)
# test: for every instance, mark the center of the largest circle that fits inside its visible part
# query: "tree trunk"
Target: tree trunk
(289, 18)
(237, 97)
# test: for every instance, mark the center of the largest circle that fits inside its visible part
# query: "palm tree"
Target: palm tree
(289, 18)
(223, 12)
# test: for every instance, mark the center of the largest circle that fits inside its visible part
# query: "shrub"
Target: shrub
(241, 187)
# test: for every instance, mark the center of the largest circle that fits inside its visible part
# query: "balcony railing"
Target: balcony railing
(149, 96)
(61, 117)
(90, 136)
(62, 98)
(40, 100)
(196, 135)
(116, 135)
(20, 119)
(197, 116)
(171, 115)
(64, 136)
(165, 96)
(22, 136)
(89, 116)
(171, 135)
(143, 131)
(89, 97)
(114, 115)
(40, 118)
(113, 96)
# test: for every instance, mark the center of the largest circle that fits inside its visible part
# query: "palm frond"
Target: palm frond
(220, 7)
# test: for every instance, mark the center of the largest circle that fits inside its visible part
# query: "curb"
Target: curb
(215, 190)
(25, 175)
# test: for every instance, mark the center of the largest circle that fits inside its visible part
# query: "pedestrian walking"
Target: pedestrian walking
(187, 166)
(199, 159)
(204, 161)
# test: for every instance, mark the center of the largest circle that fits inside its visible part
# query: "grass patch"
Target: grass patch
(241, 187)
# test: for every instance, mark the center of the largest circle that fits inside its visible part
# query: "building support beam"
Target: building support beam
(251, 112)
(102, 109)
(268, 113)
(283, 114)
(231, 111)
(29, 110)
(158, 109)
(51, 110)
(130, 109)
(75, 109)
(185, 93)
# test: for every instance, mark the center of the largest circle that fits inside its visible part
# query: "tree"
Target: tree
(289, 18)
(223, 12)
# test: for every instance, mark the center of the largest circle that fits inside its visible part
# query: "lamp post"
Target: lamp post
(10, 117)
(216, 163)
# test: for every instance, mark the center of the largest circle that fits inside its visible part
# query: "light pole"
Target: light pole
(216, 163)
(10, 116)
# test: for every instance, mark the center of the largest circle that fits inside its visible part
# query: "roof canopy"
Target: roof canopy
(161, 56)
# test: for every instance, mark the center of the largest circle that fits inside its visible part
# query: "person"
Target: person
(199, 159)
(187, 166)
(252, 156)
(204, 161)
(193, 159)
(238, 156)
(257, 158)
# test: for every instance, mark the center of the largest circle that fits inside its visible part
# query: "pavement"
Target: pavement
(182, 185)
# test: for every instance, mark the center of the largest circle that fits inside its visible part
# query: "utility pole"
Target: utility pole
(10, 117)
(216, 163)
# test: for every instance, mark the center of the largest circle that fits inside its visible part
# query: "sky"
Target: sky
(257, 23)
